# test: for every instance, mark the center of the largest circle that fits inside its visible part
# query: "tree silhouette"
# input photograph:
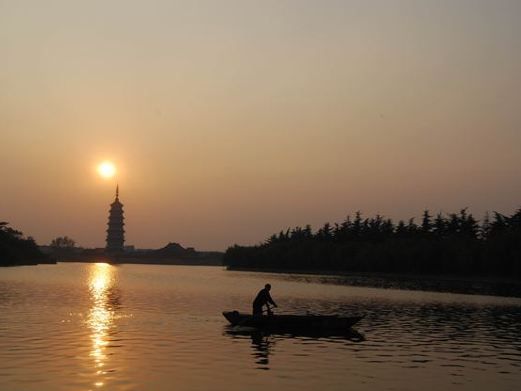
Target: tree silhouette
(446, 244)
(17, 250)
(63, 242)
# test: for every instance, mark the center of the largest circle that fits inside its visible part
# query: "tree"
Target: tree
(444, 243)
(63, 242)
(484, 231)
(426, 226)
(15, 249)
(7, 231)
(440, 225)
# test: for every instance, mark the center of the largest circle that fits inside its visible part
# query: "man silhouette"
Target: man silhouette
(263, 299)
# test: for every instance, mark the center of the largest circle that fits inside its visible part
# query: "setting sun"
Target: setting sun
(107, 170)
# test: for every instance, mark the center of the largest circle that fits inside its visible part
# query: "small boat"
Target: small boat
(291, 322)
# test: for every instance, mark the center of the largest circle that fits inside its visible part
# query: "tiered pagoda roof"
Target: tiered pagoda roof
(115, 231)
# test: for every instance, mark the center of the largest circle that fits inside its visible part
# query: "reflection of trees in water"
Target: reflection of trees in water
(414, 283)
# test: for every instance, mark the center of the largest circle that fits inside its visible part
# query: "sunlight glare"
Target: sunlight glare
(107, 169)
(101, 316)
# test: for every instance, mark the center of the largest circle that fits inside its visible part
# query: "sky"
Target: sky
(231, 120)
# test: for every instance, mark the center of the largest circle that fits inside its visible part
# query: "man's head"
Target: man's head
(267, 286)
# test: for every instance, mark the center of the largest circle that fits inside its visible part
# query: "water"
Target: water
(137, 327)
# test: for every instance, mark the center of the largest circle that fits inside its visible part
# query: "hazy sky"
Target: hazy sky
(230, 120)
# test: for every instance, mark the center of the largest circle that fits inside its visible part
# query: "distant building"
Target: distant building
(115, 231)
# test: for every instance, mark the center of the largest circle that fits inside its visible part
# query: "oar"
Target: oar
(268, 310)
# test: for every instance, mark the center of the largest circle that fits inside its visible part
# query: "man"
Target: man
(263, 299)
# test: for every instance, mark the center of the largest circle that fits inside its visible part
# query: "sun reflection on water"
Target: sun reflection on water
(101, 315)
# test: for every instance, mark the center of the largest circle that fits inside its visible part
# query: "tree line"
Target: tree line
(454, 243)
(16, 249)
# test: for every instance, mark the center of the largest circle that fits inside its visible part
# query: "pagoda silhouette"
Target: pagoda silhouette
(115, 231)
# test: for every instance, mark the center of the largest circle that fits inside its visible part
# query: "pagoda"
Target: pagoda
(115, 231)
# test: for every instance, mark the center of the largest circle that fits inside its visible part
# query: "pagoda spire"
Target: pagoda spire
(117, 191)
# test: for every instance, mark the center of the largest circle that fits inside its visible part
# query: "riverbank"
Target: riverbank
(146, 261)
(28, 263)
(474, 285)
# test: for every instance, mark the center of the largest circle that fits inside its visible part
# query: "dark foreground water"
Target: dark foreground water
(137, 327)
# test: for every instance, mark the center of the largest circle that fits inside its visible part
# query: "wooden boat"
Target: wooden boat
(291, 322)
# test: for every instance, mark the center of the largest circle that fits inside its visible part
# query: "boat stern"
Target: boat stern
(231, 316)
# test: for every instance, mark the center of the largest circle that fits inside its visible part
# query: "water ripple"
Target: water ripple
(95, 327)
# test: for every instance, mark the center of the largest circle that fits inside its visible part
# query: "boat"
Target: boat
(276, 322)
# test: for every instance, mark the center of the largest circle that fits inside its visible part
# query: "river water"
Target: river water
(75, 326)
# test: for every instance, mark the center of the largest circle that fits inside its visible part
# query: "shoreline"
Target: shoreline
(31, 263)
(340, 273)
(475, 285)
(141, 261)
